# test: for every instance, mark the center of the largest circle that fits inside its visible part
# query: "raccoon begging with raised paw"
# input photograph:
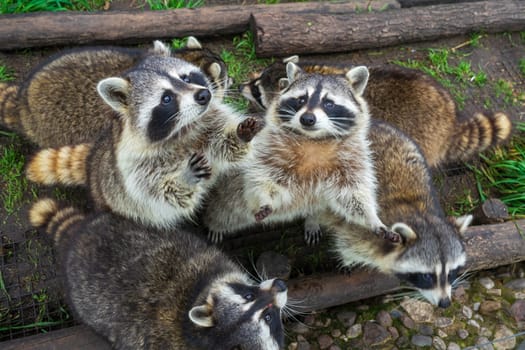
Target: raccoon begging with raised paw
(147, 289)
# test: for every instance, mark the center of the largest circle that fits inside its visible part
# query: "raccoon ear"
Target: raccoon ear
(292, 71)
(193, 43)
(406, 232)
(462, 222)
(283, 83)
(161, 49)
(215, 71)
(200, 315)
(358, 78)
(294, 59)
(115, 92)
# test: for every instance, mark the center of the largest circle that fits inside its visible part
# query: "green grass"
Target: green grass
(25, 6)
(173, 4)
(6, 74)
(521, 64)
(502, 174)
(13, 182)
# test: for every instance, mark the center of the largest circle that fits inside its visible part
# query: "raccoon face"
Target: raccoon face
(244, 316)
(323, 106)
(431, 262)
(263, 89)
(161, 97)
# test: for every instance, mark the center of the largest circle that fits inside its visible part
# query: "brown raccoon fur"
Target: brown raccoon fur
(410, 100)
(312, 154)
(58, 104)
(146, 289)
(169, 140)
(429, 251)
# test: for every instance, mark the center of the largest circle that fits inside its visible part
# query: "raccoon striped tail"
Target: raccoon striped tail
(477, 134)
(64, 165)
(8, 112)
(47, 214)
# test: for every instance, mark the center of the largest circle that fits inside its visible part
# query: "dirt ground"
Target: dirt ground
(30, 292)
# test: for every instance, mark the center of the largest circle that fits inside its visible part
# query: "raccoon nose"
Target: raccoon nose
(202, 97)
(307, 119)
(279, 285)
(444, 303)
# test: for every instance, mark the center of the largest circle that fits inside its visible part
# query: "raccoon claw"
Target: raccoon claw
(388, 235)
(249, 127)
(199, 166)
(215, 237)
(312, 234)
(263, 212)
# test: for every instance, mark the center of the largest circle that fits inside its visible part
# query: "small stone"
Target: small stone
(375, 334)
(486, 282)
(426, 329)
(462, 333)
(336, 333)
(466, 311)
(408, 322)
(292, 346)
(301, 338)
(460, 295)
(421, 340)
(517, 284)
(403, 342)
(384, 318)
(474, 324)
(299, 328)
(396, 314)
(479, 318)
(483, 343)
(325, 341)
(519, 295)
(354, 331)
(303, 345)
(327, 323)
(501, 332)
(442, 322)
(334, 347)
(494, 291)
(485, 332)
(521, 346)
(393, 332)
(475, 306)
(438, 343)
(309, 320)
(453, 346)
(419, 311)
(441, 333)
(488, 307)
(517, 310)
(347, 318)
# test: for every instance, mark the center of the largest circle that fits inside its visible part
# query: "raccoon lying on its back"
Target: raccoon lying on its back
(169, 139)
(410, 100)
(145, 289)
(312, 154)
(429, 252)
(58, 103)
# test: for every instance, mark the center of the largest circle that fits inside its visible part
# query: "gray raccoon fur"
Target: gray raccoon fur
(57, 104)
(168, 141)
(146, 289)
(429, 242)
(410, 100)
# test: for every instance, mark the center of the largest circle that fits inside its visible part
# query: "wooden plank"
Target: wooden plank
(293, 32)
(79, 28)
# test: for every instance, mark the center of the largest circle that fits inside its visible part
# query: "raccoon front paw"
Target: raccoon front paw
(263, 212)
(249, 127)
(388, 235)
(215, 237)
(199, 166)
(312, 233)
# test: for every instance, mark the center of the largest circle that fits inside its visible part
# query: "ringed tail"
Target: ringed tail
(8, 112)
(48, 215)
(65, 165)
(477, 134)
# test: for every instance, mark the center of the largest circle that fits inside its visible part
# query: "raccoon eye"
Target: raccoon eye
(166, 99)
(301, 101)
(329, 104)
(268, 318)
(249, 296)
(452, 275)
(185, 78)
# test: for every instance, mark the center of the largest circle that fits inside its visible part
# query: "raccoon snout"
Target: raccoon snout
(202, 97)
(444, 303)
(279, 285)
(307, 119)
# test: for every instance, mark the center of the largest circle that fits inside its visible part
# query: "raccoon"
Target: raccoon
(58, 103)
(168, 141)
(312, 154)
(426, 250)
(410, 100)
(146, 289)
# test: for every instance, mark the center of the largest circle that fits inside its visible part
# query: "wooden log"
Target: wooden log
(291, 32)
(491, 211)
(412, 3)
(487, 246)
(130, 27)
